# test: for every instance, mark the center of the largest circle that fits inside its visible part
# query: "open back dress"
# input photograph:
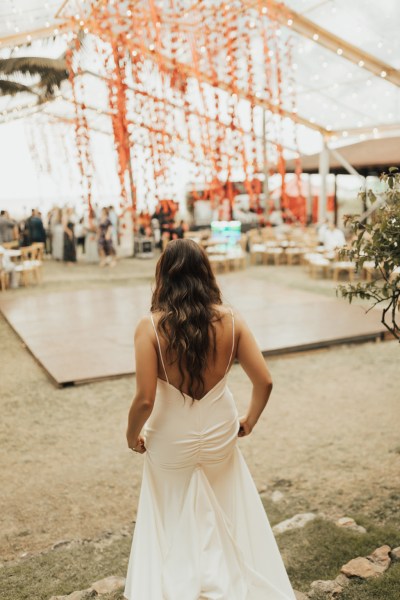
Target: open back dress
(201, 531)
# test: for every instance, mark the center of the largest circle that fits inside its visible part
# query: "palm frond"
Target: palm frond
(52, 71)
(12, 88)
(33, 65)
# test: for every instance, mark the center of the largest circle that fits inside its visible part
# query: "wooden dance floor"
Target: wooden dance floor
(85, 335)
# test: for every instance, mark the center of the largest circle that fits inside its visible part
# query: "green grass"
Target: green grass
(315, 552)
(386, 587)
(320, 549)
(63, 571)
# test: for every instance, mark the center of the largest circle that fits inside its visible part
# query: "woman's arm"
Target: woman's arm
(253, 363)
(146, 383)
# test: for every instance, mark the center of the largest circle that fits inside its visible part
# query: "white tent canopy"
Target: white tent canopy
(352, 100)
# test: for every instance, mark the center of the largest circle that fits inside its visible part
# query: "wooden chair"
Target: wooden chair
(39, 247)
(4, 278)
(344, 266)
(268, 233)
(26, 266)
(369, 270)
(218, 261)
(37, 260)
(236, 257)
(294, 255)
(256, 250)
(10, 245)
(273, 254)
(317, 264)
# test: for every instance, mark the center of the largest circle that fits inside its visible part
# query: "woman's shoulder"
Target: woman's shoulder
(226, 312)
(144, 325)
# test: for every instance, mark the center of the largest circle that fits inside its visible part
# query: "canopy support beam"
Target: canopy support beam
(345, 163)
(307, 28)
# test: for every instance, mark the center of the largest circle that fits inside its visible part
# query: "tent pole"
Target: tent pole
(309, 203)
(323, 174)
(265, 167)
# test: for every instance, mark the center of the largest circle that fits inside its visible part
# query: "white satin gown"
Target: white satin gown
(201, 531)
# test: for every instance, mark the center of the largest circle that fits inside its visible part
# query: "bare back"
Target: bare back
(218, 363)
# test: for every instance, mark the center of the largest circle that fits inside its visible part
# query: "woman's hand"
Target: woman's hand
(139, 445)
(245, 428)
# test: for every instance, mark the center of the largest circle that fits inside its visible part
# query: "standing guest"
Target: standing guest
(91, 241)
(333, 238)
(47, 228)
(69, 237)
(105, 241)
(57, 234)
(80, 235)
(36, 229)
(7, 228)
(322, 229)
(276, 218)
(112, 215)
(155, 228)
(182, 227)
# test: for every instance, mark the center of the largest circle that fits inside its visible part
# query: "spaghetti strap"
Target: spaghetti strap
(159, 347)
(233, 341)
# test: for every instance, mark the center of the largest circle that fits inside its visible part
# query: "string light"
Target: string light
(361, 63)
(315, 37)
(383, 74)
(339, 51)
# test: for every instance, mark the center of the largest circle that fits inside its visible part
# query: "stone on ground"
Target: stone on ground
(79, 595)
(300, 595)
(277, 496)
(395, 554)
(349, 523)
(362, 567)
(342, 580)
(381, 557)
(108, 585)
(329, 586)
(295, 522)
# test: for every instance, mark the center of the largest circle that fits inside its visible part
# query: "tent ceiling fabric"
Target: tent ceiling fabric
(24, 16)
(369, 154)
(331, 91)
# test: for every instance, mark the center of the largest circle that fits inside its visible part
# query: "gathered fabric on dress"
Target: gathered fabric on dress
(201, 531)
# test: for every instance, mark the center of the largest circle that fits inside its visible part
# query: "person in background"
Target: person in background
(322, 230)
(36, 231)
(112, 215)
(80, 235)
(178, 231)
(275, 218)
(105, 240)
(57, 234)
(333, 238)
(68, 223)
(7, 228)
(155, 228)
(91, 241)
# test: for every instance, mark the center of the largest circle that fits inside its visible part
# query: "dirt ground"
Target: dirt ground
(329, 438)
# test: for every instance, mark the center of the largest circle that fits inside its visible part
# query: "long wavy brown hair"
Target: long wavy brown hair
(186, 294)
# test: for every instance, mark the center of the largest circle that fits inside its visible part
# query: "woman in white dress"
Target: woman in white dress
(201, 531)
